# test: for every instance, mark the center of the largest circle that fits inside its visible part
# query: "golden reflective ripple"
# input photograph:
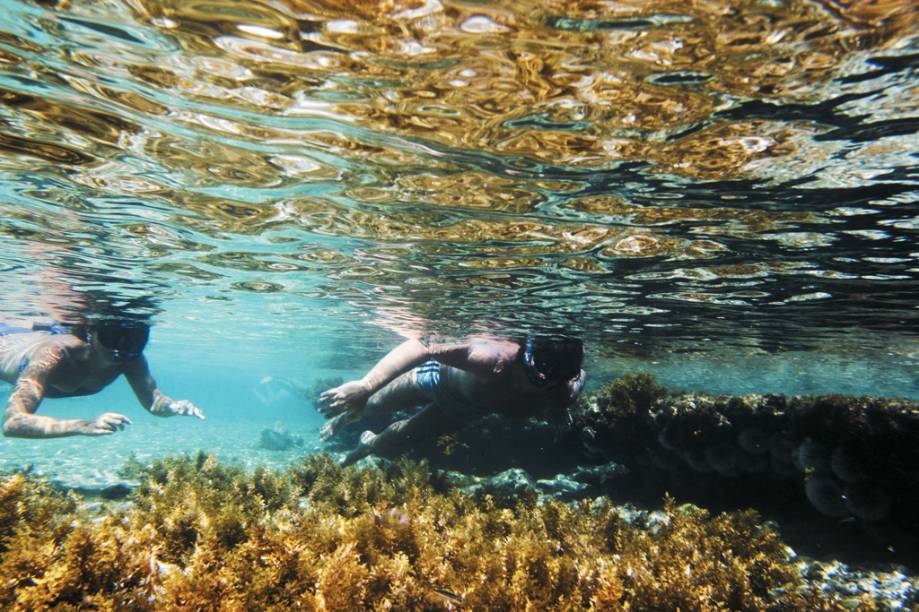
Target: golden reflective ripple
(318, 147)
(573, 83)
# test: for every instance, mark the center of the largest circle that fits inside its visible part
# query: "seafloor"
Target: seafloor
(644, 499)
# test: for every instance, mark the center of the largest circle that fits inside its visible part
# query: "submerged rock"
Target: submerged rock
(561, 486)
(825, 494)
(279, 440)
(507, 483)
(851, 458)
(867, 502)
(111, 491)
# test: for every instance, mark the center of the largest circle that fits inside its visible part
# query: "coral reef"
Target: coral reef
(848, 458)
(200, 535)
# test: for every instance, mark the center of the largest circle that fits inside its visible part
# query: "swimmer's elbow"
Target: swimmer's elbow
(12, 425)
(415, 351)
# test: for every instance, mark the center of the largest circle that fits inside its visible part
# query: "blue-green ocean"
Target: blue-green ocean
(722, 194)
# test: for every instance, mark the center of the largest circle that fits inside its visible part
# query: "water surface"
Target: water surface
(723, 193)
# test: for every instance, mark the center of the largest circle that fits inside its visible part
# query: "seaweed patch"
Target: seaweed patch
(201, 535)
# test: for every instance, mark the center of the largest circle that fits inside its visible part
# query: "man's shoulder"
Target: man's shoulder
(498, 351)
(493, 343)
(65, 347)
(64, 340)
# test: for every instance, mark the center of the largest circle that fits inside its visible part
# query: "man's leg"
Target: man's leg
(431, 421)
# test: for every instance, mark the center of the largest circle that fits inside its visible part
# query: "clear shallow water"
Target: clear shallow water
(724, 195)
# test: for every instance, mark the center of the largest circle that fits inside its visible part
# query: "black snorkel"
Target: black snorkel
(536, 378)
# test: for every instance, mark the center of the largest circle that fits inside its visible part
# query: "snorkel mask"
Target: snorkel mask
(549, 360)
(125, 339)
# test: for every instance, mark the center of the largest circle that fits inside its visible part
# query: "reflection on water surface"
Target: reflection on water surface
(676, 174)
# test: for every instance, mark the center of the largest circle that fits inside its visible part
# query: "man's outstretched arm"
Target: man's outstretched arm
(401, 359)
(149, 395)
(20, 420)
(351, 396)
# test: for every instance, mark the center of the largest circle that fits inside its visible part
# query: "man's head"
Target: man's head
(125, 338)
(551, 359)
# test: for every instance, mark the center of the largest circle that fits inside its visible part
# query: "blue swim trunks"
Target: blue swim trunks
(428, 377)
(6, 330)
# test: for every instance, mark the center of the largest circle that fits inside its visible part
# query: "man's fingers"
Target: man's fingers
(186, 408)
(328, 397)
(113, 418)
(108, 423)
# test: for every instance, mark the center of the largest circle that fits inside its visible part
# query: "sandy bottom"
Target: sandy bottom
(96, 461)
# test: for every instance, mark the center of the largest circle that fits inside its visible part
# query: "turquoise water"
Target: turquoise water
(725, 199)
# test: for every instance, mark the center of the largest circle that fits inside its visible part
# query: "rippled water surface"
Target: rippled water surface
(296, 180)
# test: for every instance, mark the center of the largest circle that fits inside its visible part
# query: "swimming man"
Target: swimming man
(456, 384)
(67, 361)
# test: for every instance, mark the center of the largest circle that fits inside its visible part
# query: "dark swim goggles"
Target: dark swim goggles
(543, 367)
(540, 372)
(126, 339)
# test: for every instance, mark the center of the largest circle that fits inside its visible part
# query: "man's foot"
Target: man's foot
(363, 449)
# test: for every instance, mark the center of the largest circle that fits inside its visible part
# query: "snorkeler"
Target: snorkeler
(66, 361)
(456, 384)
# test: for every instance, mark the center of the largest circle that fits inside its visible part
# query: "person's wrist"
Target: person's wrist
(81, 426)
(161, 404)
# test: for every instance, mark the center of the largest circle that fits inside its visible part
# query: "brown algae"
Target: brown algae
(201, 535)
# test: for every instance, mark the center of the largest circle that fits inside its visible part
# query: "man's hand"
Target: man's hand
(163, 405)
(104, 424)
(185, 408)
(349, 397)
(576, 385)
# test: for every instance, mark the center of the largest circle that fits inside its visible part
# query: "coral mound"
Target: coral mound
(853, 459)
(200, 535)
